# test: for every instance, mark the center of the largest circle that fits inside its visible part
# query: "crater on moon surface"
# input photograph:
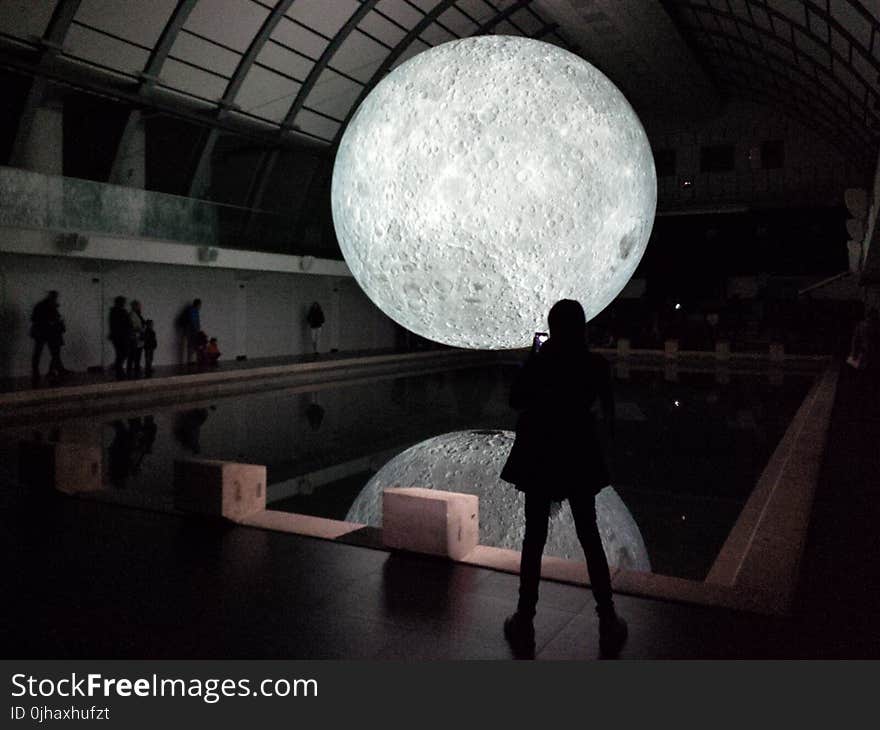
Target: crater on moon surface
(486, 178)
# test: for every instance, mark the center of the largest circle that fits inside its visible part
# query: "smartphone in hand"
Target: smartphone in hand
(540, 339)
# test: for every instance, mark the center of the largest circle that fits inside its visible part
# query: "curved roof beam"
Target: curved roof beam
(178, 18)
(60, 22)
(853, 101)
(501, 17)
(802, 27)
(51, 41)
(356, 17)
(544, 30)
(843, 123)
(398, 50)
(396, 53)
(253, 50)
(149, 78)
(386, 65)
(764, 93)
(782, 61)
(270, 158)
(408, 39)
(200, 179)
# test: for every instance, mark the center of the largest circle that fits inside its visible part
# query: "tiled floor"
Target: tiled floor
(87, 579)
(94, 580)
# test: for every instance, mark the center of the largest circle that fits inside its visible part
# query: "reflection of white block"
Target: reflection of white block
(430, 521)
(670, 348)
(68, 467)
(220, 488)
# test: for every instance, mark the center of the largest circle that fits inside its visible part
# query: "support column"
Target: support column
(130, 166)
(200, 184)
(40, 144)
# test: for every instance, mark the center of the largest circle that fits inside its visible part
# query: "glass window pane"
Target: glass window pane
(198, 83)
(333, 94)
(359, 56)
(202, 53)
(458, 21)
(300, 39)
(285, 61)
(317, 125)
(404, 14)
(266, 94)
(325, 17)
(435, 35)
(233, 23)
(141, 22)
(25, 19)
(382, 29)
(118, 55)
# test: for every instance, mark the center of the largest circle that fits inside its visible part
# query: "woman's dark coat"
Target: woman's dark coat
(557, 451)
(120, 325)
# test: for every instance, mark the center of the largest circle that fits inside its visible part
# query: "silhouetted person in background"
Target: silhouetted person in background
(865, 348)
(188, 428)
(191, 323)
(143, 431)
(149, 347)
(314, 412)
(557, 456)
(119, 454)
(212, 352)
(315, 319)
(120, 335)
(136, 339)
(201, 348)
(865, 357)
(47, 328)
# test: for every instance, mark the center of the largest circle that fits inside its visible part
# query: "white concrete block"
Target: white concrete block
(430, 521)
(65, 466)
(220, 488)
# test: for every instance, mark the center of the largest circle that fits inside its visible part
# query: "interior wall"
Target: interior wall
(251, 313)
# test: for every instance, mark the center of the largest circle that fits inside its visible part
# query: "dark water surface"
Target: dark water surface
(687, 452)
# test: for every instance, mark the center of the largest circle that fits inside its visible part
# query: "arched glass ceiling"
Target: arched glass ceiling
(299, 65)
(818, 59)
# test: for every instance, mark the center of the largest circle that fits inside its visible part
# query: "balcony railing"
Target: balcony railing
(35, 200)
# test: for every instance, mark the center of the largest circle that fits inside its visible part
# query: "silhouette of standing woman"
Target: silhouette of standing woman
(557, 456)
(47, 328)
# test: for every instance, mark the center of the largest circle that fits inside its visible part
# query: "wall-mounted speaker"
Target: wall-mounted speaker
(72, 242)
(208, 254)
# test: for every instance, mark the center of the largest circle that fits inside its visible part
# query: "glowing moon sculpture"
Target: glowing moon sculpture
(485, 179)
(469, 462)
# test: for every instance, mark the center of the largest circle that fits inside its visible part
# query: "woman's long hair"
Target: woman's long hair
(568, 323)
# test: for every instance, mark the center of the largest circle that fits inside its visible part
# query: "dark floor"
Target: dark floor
(92, 580)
